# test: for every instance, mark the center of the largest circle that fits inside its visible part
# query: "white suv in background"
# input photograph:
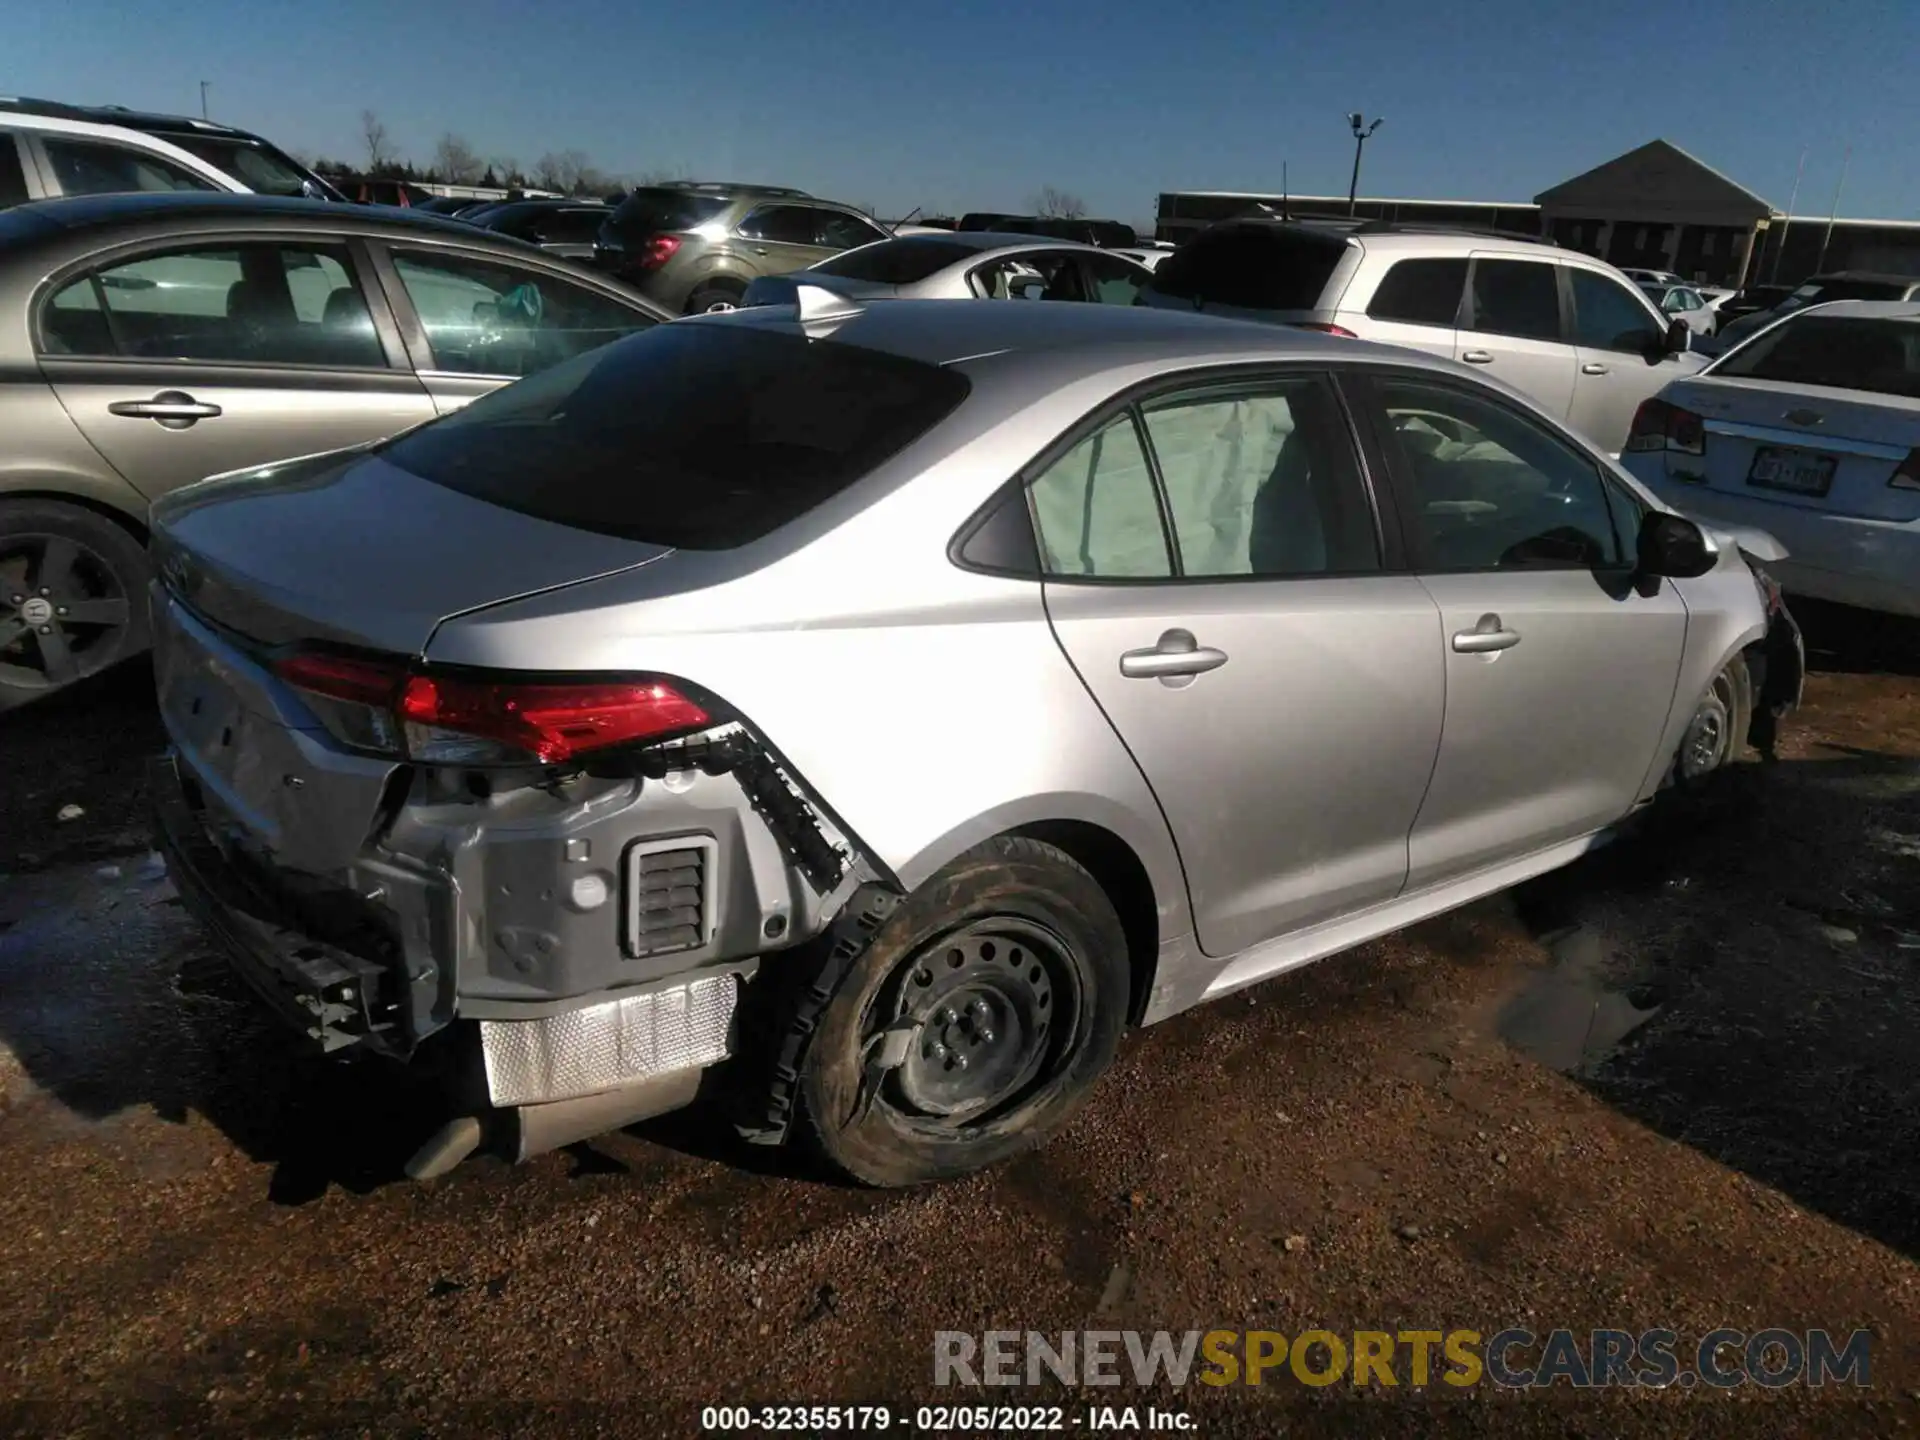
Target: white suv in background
(1570, 332)
(43, 157)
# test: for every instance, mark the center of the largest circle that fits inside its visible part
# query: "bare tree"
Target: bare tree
(1053, 204)
(666, 175)
(508, 170)
(374, 132)
(456, 161)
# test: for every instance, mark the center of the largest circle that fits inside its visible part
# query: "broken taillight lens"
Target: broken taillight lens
(373, 703)
(1326, 329)
(478, 721)
(1662, 425)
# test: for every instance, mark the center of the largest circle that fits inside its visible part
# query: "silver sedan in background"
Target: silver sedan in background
(876, 715)
(965, 265)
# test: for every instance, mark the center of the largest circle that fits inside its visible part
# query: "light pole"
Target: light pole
(203, 98)
(1361, 130)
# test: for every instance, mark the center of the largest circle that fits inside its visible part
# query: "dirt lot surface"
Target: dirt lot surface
(1435, 1131)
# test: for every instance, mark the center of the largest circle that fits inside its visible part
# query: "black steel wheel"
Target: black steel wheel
(72, 598)
(975, 1023)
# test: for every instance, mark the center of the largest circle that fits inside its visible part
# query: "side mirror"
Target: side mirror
(1672, 546)
(1679, 337)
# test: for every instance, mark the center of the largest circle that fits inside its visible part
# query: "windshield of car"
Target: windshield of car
(254, 163)
(897, 262)
(1840, 352)
(658, 210)
(695, 436)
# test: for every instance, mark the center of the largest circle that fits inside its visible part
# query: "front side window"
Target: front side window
(780, 225)
(1606, 316)
(1114, 281)
(86, 167)
(243, 304)
(260, 168)
(13, 175)
(1520, 298)
(485, 318)
(837, 230)
(1262, 482)
(1420, 292)
(1489, 489)
(1096, 511)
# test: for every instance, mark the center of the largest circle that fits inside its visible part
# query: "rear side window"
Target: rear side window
(654, 211)
(1252, 268)
(1516, 297)
(780, 225)
(83, 167)
(1843, 353)
(13, 175)
(1420, 292)
(897, 262)
(701, 437)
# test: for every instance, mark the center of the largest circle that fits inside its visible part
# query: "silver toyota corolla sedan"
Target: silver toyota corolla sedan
(965, 265)
(873, 712)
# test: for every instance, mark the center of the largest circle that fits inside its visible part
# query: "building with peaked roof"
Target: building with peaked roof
(1655, 208)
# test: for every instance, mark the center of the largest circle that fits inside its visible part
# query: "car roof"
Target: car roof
(1084, 339)
(983, 241)
(83, 212)
(1865, 309)
(115, 115)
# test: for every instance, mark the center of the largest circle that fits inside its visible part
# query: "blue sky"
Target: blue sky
(977, 105)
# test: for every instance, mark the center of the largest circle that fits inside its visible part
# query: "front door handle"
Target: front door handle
(1485, 638)
(1593, 367)
(175, 409)
(1477, 357)
(1178, 654)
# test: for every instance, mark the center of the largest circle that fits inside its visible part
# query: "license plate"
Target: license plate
(1800, 472)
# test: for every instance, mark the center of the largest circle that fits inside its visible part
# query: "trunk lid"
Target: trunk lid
(1807, 446)
(348, 548)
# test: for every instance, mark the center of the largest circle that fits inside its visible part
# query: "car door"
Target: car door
(179, 361)
(1620, 353)
(1560, 671)
(778, 239)
(1279, 686)
(475, 322)
(1511, 326)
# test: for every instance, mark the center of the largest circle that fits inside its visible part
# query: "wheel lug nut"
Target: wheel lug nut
(986, 1037)
(46, 629)
(939, 1051)
(61, 610)
(45, 591)
(959, 1062)
(947, 1017)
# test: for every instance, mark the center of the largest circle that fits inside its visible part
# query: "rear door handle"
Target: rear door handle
(1178, 654)
(1593, 368)
(1477, 357)
(173, 408)
(1485, 638)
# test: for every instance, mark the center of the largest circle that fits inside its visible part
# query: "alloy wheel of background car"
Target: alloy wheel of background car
(714, 300)
(974, 1024)
(72, 599)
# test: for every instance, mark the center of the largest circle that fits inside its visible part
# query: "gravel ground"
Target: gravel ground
(198, 1234)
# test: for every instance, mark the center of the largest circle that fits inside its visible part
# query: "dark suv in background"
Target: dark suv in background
(696, 247)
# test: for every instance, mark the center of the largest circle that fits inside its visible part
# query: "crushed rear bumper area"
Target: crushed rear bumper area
(329, 994)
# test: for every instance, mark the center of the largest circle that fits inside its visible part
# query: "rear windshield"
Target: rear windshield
(1253, 267)
(695, 436)
(1840, 352)
(897, 262)
(657, 211)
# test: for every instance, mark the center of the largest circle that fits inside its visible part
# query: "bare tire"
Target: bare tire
(711, 299)
(1717, 729)
(73, 598)
(974, 1024)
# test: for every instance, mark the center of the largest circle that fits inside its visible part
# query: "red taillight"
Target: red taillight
(1661, 425)
(655, 253)
(461, 720)
(1327, 329)
(373, 703)
(1907, 477)
(342, 677)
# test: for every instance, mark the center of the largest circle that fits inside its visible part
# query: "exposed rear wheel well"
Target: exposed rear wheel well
(1111, 862)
